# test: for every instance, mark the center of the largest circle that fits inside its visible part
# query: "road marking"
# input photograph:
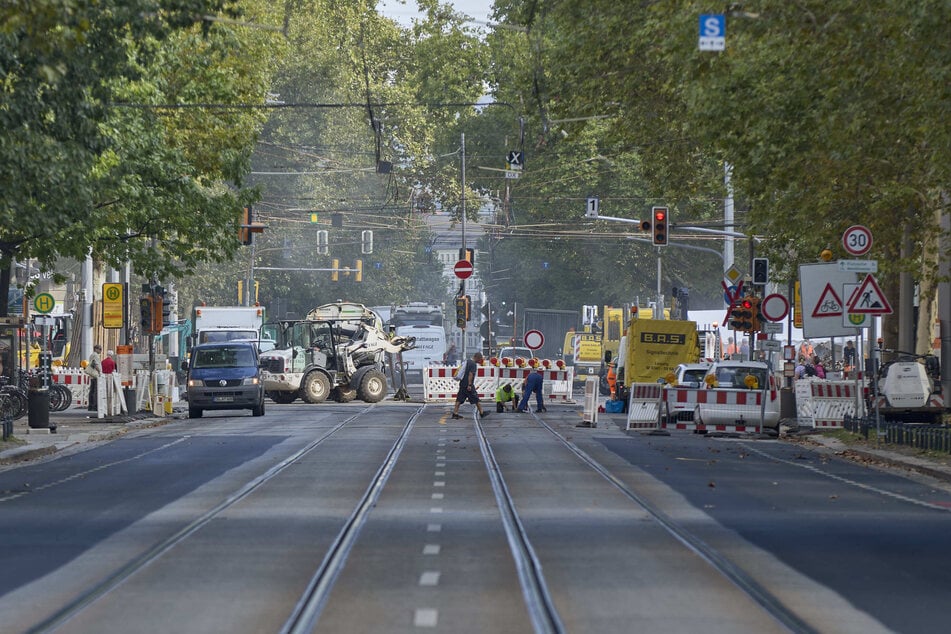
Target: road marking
(440, 451)
(438, 496)
(433, 528)
(439, 483)
(425, 617)
(848, 481)
(429, 578)
(431, 549)
(436, 509)
(440, 464)
(442, 444)
(439, 474)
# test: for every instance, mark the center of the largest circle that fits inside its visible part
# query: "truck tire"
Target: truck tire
(343, 394)
(282, 397)
(194, 412)
(373, 387)
(316, 388)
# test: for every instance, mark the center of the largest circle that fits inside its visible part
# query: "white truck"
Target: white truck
(217, 324)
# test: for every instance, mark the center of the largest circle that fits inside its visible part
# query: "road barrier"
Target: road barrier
(440, 386)
(825, 404)
(645, 406)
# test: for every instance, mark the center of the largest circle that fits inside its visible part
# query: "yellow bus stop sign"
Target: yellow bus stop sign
(112, 305)
(44, 303)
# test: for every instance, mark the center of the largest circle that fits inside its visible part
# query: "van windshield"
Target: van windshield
(223, 357)
(736, 376)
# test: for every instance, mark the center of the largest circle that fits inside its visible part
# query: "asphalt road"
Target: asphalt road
(220, 524)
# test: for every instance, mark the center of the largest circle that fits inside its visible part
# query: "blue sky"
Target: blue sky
(403, 12)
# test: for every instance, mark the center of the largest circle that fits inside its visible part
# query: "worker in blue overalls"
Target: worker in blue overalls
(533, 384)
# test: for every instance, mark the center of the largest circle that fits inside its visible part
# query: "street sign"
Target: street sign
(592, 207)
(869, 299)
(775, 307)
(514, 160)
(857, 240)
(44, 303)
(112, 305)
(829, 304)
(771, 327)
(859, 266)
(770, 344)
(733, 274)
(534, 339)
(712, 32)
(463, 269)
(853, 320)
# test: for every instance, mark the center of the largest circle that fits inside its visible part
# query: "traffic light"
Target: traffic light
(244, 231)
(358, 276)
(166, 310)
(335, 270)
(761, 271)
(659, 226)
(145, 313)
(757, 315)
(323, 242)
(741, 315)
(158, 311)
(462, 311)
(366, 242)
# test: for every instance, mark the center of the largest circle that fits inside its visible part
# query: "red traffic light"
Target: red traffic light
(747, 304)
(660, 214)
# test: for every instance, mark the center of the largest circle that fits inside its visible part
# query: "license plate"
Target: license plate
(223, 399)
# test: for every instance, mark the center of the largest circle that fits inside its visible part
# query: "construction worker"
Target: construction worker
(503, 395)
(612, 380)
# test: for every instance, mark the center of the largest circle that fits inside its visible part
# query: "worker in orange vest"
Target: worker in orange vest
(612, 380)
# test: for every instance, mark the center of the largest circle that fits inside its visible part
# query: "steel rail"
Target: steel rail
(541, 608)
(117, 578)
(749, 586)
(311, 603)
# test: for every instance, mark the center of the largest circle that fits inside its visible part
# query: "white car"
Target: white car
(691, 374)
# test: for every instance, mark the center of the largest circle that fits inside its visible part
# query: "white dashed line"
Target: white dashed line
(439, 474)
(431, 549)
(439, 483)
(440, 464)
(433, 528)
(425, 617)
(436, 509)
(429, 578)
(438, 496)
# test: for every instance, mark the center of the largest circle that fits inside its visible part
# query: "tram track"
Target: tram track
(768, 601)
(316, 591)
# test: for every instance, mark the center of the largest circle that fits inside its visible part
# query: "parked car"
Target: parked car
(224, 376)
(691, 374)
(514, 353)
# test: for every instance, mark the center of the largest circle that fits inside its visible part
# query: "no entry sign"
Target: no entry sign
(463, 269)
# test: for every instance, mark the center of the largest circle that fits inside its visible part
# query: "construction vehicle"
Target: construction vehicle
(219, 324)
(554, 325)
(652, 349)
(424, 323)
(909, 389)
(336, 352)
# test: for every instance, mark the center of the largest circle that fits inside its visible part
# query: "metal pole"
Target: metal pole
(462, 287)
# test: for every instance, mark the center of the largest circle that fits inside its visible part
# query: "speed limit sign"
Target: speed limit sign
(857, 240)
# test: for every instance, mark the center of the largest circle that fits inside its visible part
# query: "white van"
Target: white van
(430, 349)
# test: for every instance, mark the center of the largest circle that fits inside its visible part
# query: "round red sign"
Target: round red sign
(463, 269)
(534, 339)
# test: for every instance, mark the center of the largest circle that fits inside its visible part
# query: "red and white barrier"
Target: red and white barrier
(726, 410)
(645, 406)
(824, 404)
(440, 386)
(77, 381)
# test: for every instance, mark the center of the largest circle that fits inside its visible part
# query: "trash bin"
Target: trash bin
(129, 400)
(38, 409)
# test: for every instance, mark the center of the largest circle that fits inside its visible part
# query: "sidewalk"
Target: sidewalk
(70, 429)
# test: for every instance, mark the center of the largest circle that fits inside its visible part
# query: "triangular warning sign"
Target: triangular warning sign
(869, 299)
(829, 304)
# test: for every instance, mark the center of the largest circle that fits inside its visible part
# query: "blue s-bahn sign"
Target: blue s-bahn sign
(712, 32)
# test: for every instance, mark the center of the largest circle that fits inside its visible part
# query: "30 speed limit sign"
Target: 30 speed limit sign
(857, 240)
